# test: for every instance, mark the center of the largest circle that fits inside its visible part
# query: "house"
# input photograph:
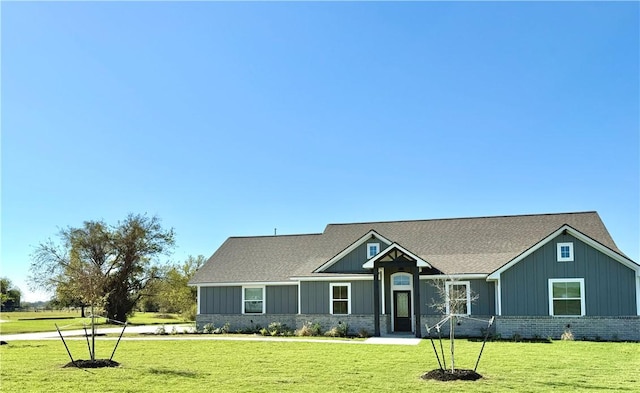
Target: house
(538, 274)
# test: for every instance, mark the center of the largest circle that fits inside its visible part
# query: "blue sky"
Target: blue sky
(229, 119)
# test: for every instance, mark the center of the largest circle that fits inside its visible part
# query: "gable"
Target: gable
(609, 286)
(567, 230)
(393, 253)
(350, 259)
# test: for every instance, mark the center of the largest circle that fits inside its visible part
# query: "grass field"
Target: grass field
(239, 366)
(44, 321)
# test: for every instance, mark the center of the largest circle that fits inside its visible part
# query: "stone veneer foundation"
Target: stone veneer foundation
(588, 328)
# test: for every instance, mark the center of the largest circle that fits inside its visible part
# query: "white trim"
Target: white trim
(498, 297)
(578, 235)
(582, 295)
(419, 261)
(382, 290)
(470, 276)
(198, 287)
(369, 245)
(264, 299)
(467, 284)
(559, 252)
(240, 284)
(331, 300)
(404, 288)
(352, 247)
(638, 295)
(337, 277)
(299, 299)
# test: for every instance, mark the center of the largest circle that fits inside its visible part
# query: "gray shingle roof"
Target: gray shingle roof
(454, 246)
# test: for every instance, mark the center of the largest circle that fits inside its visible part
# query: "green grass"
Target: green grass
(45, 321)
(239, 366)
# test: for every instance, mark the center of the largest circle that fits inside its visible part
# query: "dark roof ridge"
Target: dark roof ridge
(265, 236)
(461, 218)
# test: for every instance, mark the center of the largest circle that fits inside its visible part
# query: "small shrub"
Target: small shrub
(363, 333)
(516, 337)
(309, 329)
(174, 330)
(160, 330)
(333, 332)
(567, 335)
(264, 332)
(342, 330)
(279, 329)
(209, 328)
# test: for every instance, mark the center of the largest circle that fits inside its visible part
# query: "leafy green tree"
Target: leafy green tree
(102, 265)
(172, 293)
(9, 295)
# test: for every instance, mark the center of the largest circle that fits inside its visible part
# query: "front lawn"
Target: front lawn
(240, 366)
(45, 321)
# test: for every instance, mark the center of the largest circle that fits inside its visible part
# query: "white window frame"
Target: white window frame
(264, 298)
(331, 299)
(369, 254)
(559, 252)
(565, 280)
(467, 284)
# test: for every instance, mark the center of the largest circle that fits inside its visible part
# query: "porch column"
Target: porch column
(416, 299)
(376, 301)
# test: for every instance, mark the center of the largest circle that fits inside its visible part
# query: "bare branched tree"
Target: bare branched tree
(454, 299)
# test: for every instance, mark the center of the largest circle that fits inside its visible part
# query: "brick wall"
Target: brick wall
(293, 321)
(589, 328)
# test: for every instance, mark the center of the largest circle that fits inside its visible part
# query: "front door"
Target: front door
(402, 311)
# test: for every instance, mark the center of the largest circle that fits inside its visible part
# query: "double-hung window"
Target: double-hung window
(340, 298)
(566, 297)
(253, 300)
(458, 297)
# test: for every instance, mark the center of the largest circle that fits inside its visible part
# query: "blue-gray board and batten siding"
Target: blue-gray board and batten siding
(280, 299)
(352, 262)
(608, 285)
(315, 297)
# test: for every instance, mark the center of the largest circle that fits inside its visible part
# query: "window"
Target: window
(340, 302)
(565, 252)
(372, 249)
(401, 280)
(566, 296)
(458, 297)
(253, 300)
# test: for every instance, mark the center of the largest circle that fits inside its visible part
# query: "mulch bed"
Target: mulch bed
(448, 375)
(97, 363)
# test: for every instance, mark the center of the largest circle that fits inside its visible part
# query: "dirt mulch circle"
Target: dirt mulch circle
(97, 363)
(448, 375)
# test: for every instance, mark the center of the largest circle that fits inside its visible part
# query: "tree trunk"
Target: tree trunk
(452, 338)
(93, 335)
(118, 306)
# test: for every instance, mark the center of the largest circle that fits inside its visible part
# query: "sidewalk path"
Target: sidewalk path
(80, 332)
(79, 335)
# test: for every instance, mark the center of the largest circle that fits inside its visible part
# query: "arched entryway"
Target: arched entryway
(405, 297)
(401, 305)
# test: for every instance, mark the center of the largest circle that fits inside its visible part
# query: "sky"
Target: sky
(233, 119)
